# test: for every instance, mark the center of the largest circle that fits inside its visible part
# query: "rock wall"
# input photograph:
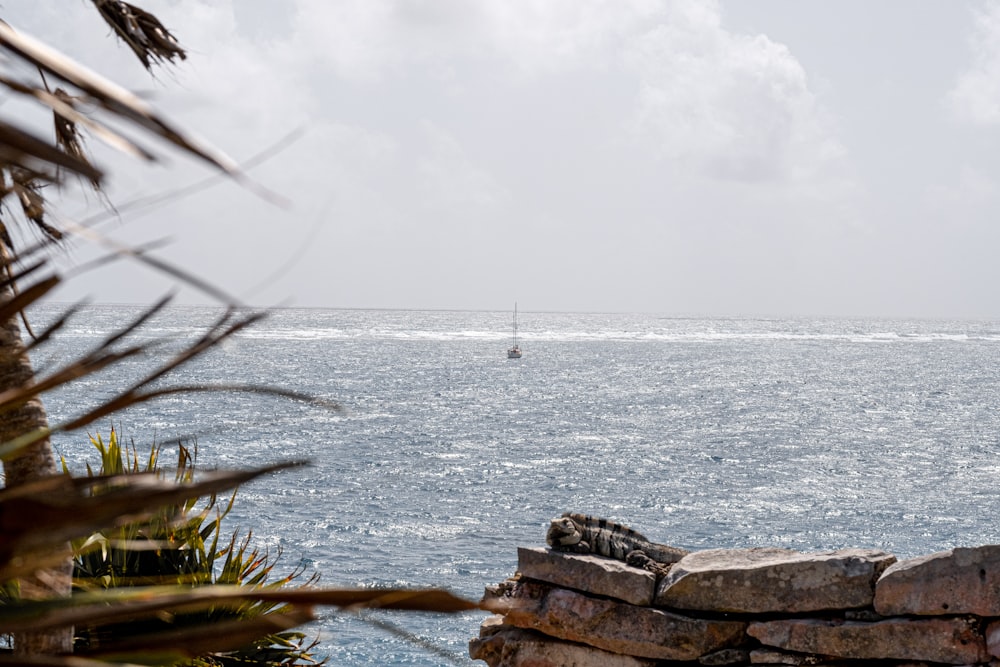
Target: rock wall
(758, 606)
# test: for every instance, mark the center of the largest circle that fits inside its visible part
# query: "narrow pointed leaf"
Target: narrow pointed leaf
(105, 606)
(190, 642)
(110, 95)
(40, 517)
(25, 149)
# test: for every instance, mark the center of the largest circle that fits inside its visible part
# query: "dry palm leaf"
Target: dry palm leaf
(143, 32)
(8, 242)
(111, 605)
(57, 661)
(26, 186)
(67, 134)
(190, 642)
(167, 647)
(103, 356)
(139, 254)
(9, 281)
(39, 519)
(109, 95)
(67, 116)
(16, 276)
(22, 299)
(18, 147)
(48, 332)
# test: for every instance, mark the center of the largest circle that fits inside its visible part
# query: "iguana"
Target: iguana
(582, 533)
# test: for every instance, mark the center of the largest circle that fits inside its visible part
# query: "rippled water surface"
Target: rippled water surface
(807, 434)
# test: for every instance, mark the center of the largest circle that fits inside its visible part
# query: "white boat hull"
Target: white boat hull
(514, 352)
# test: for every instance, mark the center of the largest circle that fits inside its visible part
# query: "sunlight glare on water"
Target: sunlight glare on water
(701, 433)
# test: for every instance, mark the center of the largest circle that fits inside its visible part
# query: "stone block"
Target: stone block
(954, 641)
(521, 648)
(615, 626)
(957, 581)
(726, 656)
(588, 573)
(771, 580)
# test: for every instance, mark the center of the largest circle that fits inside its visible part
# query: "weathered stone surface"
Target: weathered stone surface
(727, 656)
(948, 640)
(992, 633)
(958, 581)
(522, 648)
(768, 656)
(588, 573)
(764, 579)
(492, 624)
(614, 626)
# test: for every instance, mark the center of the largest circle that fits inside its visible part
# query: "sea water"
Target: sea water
(807, 434)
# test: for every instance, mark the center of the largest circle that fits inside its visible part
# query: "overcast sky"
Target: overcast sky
(735, 157)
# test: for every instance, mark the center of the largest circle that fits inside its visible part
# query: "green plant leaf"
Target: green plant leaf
(38, 519)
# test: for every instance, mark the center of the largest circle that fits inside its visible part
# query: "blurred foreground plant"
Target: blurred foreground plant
(43, 512)
(29, 163)
(228, 615)
(180, 545)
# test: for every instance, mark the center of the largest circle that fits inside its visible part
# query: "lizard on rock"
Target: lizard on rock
(582, 533)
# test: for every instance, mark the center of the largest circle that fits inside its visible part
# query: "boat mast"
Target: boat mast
(515, 324)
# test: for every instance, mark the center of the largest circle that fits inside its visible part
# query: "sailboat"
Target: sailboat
(515, 351)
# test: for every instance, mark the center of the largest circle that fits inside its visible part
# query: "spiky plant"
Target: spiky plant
(180, 545)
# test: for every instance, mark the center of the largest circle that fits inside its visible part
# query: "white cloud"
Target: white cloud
(967, 201)
(726, 105)
(546, 36)
(734, 106)
(566, 120)
(450, 179)
(363, 40)
(975, 97)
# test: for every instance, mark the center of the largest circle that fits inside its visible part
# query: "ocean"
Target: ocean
(808, 434)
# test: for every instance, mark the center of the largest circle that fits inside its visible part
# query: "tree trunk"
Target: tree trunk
(34, 462)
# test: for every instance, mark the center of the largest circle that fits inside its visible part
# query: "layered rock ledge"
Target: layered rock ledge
(759, 606)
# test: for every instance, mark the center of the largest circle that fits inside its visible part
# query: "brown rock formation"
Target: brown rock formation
(747, 607)
(511, 647)
(765, 580)
(592, 574)
(958, 581)
(953, 641)
(614, 626)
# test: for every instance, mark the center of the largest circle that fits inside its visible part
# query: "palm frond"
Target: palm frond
(40, 518)
(26, 186)
(108, 95)
(166, 647)
(12, 306)
(10, 660)
(57, 324)
(22, 148)
(131, 603)
(141, 31)
(67, 117)
(67, 135)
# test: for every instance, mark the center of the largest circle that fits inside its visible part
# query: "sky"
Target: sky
(684, 157)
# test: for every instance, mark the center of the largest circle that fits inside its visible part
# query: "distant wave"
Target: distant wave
(615, 336)
(452, 326)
